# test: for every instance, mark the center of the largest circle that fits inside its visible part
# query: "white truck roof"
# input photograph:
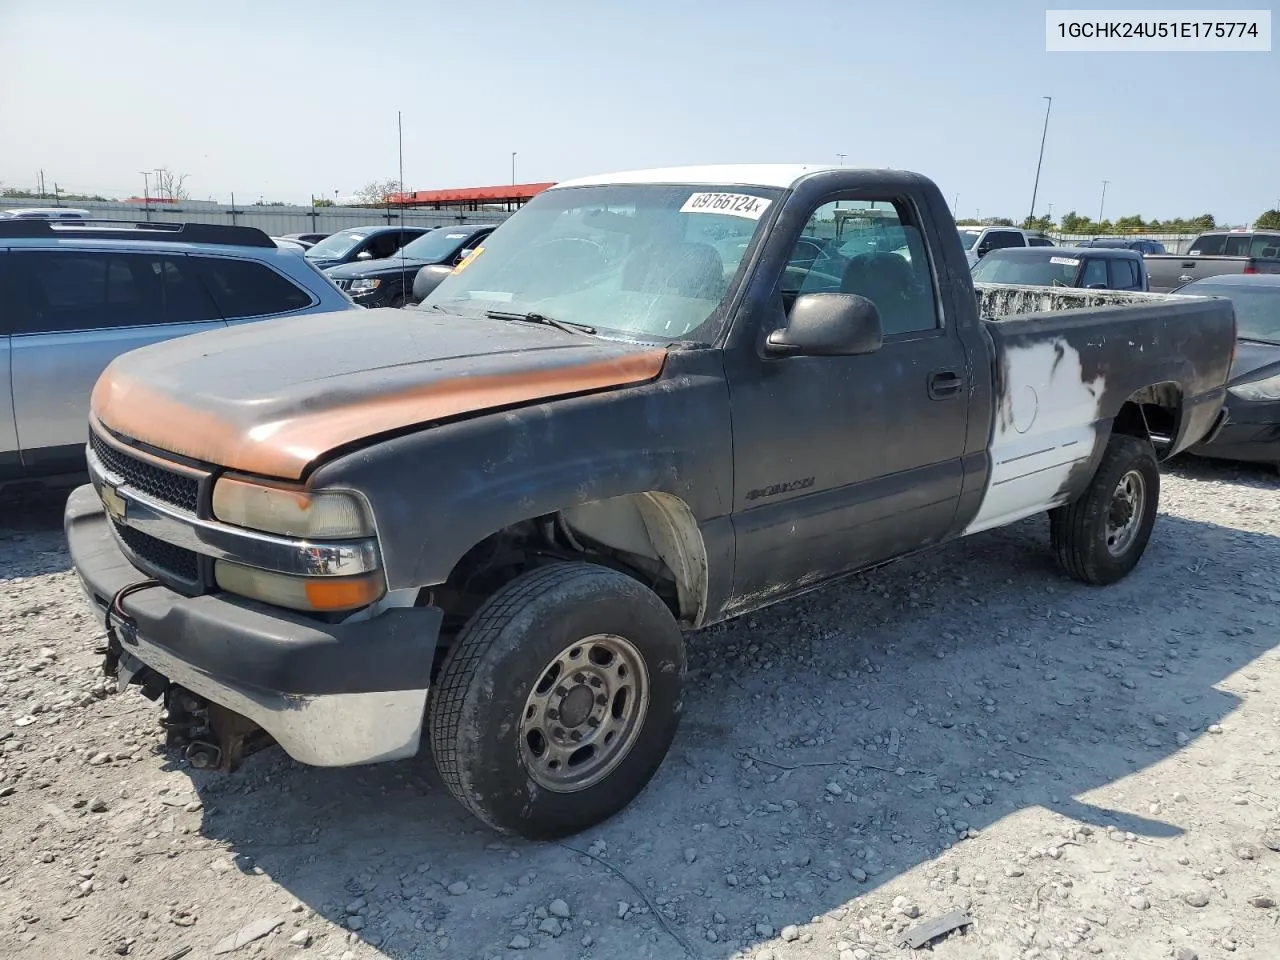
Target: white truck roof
(725, 174)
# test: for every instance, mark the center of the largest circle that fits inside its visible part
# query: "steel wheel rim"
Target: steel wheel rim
(584, 713)
(1124, 514)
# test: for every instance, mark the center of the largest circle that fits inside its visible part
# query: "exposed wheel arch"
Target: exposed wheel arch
(1154, 413)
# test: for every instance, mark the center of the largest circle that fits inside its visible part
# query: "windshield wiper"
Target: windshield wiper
(532, 317)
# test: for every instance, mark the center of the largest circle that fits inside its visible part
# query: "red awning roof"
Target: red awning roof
(504, 194)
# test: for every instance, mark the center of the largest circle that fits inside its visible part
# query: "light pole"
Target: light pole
(146, 192)
(1043, 134)
(1103, 201)
(513, 168)
(840, 157)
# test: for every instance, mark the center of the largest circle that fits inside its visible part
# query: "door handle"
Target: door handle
(944, 384)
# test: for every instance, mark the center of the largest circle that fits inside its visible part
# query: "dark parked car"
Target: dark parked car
(1253, 393)
(429, 274)
(362, 243)
(1141, 244)
(1095, 268)
(1216, 254)
(390, 282)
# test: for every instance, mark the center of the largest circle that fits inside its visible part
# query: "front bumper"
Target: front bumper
(330, 694)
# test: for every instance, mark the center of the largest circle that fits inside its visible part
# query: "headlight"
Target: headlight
(315, 594)
(365, 286)
(1268, 389)
(291, 511)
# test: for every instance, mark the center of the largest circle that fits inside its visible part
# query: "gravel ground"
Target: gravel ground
(1086, 772)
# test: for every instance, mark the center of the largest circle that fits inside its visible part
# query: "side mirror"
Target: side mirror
(983, 249)
(364, 255)
(828, 325)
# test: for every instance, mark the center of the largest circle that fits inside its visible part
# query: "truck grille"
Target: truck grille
(164, 557)
(165, 485)
(343, 284)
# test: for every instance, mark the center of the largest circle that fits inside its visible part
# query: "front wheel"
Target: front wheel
(559, 700)
(1101, 536)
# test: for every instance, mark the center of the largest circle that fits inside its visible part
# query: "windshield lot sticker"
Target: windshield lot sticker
(466, 261)
(1065, 261)
(731, 204)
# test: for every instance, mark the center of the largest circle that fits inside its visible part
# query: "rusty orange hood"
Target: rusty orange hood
(272, 397)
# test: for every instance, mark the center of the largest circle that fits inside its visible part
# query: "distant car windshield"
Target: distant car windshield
(645, 261)
(336, 246)
(1051, 270)
(1257, 308)
(969, 237)
(436, 245)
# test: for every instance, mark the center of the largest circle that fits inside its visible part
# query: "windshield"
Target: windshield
(1052, 271)
(437, 245)
(969, 237)
(647, 261)
(1257, 310)
(336, 246)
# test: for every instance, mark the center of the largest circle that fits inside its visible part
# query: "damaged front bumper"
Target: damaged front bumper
(330, 694)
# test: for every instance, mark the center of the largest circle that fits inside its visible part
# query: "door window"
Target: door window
(1000, 239)
(384, 244)
(870, 248)
(1095, 273)
(1210, 245)
(1237, 246)
(63, 290)
(1124, 275)
(1265, 245)
(243, 288)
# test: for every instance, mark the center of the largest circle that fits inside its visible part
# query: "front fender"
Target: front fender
(440, 490)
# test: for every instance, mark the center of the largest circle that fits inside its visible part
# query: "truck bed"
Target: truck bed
(1067, 361)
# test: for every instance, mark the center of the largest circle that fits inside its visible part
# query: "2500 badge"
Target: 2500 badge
(772, 491)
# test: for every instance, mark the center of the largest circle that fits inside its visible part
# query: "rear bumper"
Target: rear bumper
(1251, 434)
(329, 694)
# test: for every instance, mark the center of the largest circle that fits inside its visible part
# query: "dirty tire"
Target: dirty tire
(1079, 530)
(479, 699)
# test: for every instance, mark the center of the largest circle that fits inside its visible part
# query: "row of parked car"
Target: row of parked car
(80, 292)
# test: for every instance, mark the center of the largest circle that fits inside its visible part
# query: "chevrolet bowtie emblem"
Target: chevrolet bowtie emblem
(116, 505)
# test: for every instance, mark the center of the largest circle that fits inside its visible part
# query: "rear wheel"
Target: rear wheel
(1102, 535)
(559, 700)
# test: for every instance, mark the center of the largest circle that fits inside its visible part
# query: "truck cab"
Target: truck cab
(979, 241)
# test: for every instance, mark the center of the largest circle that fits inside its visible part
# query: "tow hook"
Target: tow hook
(210, 736)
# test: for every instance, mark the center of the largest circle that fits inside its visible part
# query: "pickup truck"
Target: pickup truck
(979, 241)
(1213, 255)
(486, 521)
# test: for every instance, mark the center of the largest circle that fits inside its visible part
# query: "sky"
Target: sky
(283, 100)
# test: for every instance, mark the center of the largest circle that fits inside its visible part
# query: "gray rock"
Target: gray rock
(458, 888)
(1185, 953)
(834, 789)
(858, 874)
(1262, 902)
(355, 923)
(1197, 898)
(97, 805)
(357, 906)
(1013, 871)
(1139, 903)
(247, 934)
(519, 942)
(558, 908)
(301, 939)
(790, 933)
(690, 855)
(552, 926)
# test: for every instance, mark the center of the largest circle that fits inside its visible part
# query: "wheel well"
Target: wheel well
(1153, 413)
(650, 536)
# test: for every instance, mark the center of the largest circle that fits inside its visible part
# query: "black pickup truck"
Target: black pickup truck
(647, 403)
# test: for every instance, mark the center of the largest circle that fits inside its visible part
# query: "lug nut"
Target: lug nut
(579, 677)
(575, 736)
(558, 733)
(596, 682)
(553, 714)
(593, 721)
(562, 691)
(601, 699)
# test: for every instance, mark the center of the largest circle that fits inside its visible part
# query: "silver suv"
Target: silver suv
(75, 295)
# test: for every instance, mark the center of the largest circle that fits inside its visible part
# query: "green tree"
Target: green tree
(1132, 224)
(1269, 221)
(1072, 222)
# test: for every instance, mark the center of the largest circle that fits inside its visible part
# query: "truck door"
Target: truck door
(80, 310)
(840, 462)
